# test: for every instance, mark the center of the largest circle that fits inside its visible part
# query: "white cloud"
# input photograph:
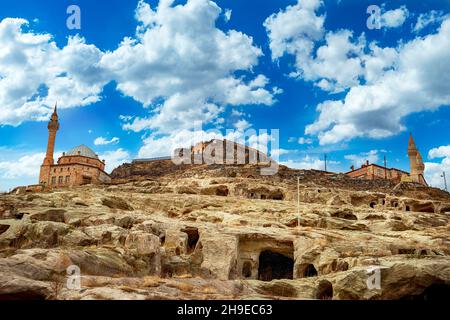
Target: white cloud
(21, 170)
(428, 18)
(178, 64)
(303, 140)
(412, 82)
(359, 159)
(384, 84)
(333, 66)
(394, 18)
(183, 67)
(237, 113)
(279, 152)
(242, 125)
(227, 15)
(35, 73)
(162, 146)
(294, 29)
(25, 166)
(24, 169)
(434, 170)
(115, 158)
(441, 152)
(309, 162)
(100, 141)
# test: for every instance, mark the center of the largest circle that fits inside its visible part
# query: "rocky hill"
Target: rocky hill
(208, 232)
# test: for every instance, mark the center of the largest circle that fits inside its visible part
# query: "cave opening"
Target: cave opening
(222, 191)
(372, 205)
(434, 292)
(247, 269)
(426, 209)
(193, 237)
(24, 295)
(3, 228)
(310, 271)
(273, 265)
(278, 196)
(324, 290)
(407, 208)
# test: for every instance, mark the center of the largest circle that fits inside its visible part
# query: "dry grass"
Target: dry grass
(206, 290)
(182, 286)
(151, 281)
(183, 276)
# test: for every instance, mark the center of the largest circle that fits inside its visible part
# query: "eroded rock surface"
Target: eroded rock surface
(215, 232)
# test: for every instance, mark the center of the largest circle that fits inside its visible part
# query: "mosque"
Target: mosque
(371, 171)
(79, 166)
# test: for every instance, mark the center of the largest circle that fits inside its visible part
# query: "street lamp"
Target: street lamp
(445, 180)
(298, 196)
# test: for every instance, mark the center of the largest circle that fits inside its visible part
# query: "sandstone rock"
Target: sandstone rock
(143, 243)
(215, 232)
(55, 215)
(116, 203)
(219, 254)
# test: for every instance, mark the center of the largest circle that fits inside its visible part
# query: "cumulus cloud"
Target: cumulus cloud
(394, 18)
(115, 158)
(333, 60)
(294, 29)
(35, 73)
(21, 170)
(382, 85)
(227, 15)
(279, 152)
(162, 146)
(25, 166)
(100, 141)
(406, 81)
(440, 152)
(434, 170)
(309, 162)
(242, 125)
(303, 140)
(183, 67)
(428, 18)
(24, 169)
(178, 64)
(359, 159)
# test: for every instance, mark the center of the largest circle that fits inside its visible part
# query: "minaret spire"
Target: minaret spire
(416, 164)
(53, 127)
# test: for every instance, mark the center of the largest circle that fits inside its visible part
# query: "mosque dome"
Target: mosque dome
(82, 151)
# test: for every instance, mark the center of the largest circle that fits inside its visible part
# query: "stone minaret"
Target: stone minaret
(417, 166)
(53, 126)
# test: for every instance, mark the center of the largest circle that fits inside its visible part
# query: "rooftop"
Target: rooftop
(82, 151)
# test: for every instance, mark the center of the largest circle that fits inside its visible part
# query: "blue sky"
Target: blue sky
(137, 76)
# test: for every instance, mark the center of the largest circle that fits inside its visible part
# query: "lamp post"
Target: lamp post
(298, 201)
(445, 180)
(298, 197)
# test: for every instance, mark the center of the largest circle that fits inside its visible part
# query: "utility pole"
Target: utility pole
(445, 180)
(325, 162)
(298, 175)
(385, 168)
(298, 201)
